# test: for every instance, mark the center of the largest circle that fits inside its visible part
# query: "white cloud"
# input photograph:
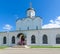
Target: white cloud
(7, 27)
(58, 18)
(53, 23)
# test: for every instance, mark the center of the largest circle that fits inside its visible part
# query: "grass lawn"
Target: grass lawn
(3, 47)
(44, 46)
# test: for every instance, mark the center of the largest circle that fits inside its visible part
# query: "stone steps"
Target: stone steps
(20, 46)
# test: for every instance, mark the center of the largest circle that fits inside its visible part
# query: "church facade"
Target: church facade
(29, 32)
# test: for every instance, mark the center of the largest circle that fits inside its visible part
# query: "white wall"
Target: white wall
(51, 34)
(28, 22)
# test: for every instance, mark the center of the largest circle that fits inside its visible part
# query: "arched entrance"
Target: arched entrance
(58, 39)
(45, 39)
(21, 39)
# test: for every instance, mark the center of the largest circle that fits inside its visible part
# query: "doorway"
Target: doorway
(21, 39)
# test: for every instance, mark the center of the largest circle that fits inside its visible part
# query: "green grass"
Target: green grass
(3, 47)
(44, 46)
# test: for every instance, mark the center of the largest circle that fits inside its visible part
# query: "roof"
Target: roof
(30, 9)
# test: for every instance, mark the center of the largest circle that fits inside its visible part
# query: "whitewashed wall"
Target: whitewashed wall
(28, 22)
(51, 34)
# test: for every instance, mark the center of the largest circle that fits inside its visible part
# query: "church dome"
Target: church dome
(30, 12)
(30, 9)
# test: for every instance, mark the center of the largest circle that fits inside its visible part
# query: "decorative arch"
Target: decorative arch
(4, 40)
(28, 28)
(13, 39)
(58, 39)
(45, 39)
(21, 39)
(20, 35)
(36, 27)
(33, 39)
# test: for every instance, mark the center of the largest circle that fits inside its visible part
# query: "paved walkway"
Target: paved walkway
(30, 51)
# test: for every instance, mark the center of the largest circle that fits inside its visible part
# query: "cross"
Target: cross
(30, 4)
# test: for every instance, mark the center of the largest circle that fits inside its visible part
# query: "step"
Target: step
(20, 46)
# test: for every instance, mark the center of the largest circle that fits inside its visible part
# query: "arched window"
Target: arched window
(33, 41)
(58, 39)
(27, 28)
(45, 40)
(13, 40)
(19, 28)
(36, 27)
(4, 40)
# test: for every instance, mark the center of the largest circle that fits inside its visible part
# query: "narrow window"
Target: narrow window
(33, 41)
(58, 39)
(13, 40)
(27, 28)
(4, 40)
(19, 28)
(45, 40)
(36, 27)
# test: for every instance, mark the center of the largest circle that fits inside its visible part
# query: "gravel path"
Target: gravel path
(30, 51)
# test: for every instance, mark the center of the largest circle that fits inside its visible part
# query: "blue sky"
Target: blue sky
(49, 10)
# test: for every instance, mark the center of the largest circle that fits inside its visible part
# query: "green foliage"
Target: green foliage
(3, 47)
(44, 46)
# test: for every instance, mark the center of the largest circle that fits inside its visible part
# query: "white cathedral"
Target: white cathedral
(29, 32)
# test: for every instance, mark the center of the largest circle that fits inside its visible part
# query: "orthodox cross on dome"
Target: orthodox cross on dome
(30, 11)
(30, 4)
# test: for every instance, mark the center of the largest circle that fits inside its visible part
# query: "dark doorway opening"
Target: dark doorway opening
(21, 38)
